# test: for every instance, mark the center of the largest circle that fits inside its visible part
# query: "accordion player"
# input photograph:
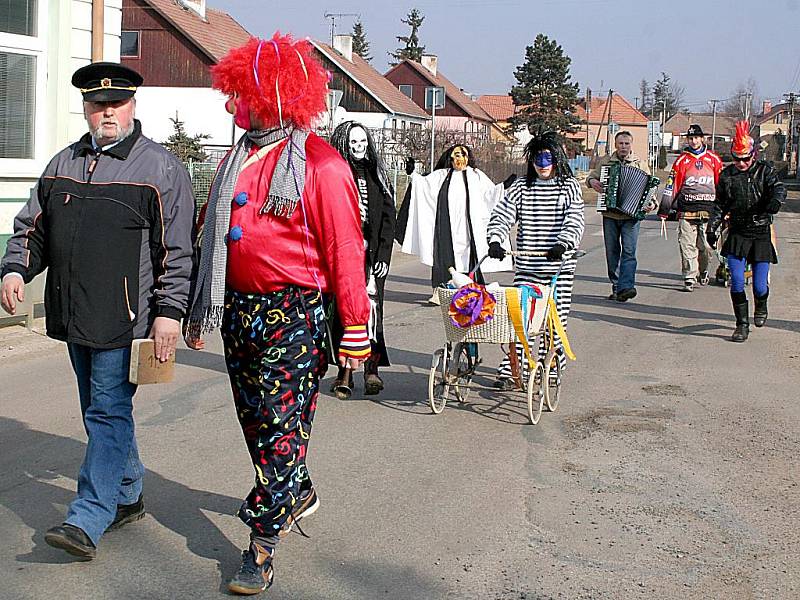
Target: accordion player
(626, 189)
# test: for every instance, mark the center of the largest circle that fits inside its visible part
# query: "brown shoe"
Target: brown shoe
(343, 385)
(373, 384)
(306, 505)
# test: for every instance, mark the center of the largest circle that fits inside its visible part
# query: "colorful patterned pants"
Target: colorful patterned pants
(275, 351)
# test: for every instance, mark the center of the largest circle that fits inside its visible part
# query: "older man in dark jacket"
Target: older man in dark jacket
(111, 220)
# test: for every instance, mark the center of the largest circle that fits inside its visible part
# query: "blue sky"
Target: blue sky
(707, 46)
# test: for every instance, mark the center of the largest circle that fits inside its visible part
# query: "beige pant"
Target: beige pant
(695, 251)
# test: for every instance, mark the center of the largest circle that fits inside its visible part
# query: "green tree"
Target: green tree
(646, 95)
(411, 50)
(545, 98)
(360, 43)
(667, 97)
(187, 148)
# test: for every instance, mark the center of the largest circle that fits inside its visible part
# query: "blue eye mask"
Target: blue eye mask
(543, 160)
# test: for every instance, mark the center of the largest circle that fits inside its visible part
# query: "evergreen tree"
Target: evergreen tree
(667, 97)
(544, 96)
(646, 95)
(412, 50)
(184, 146)
(360, 43)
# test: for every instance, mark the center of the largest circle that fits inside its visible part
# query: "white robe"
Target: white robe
(483, 196)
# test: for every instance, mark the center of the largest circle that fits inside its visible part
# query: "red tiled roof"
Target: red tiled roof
(452, 91)
(215, 36)
(499, 107)
(622, 111)
(679, 124)
(375, 84)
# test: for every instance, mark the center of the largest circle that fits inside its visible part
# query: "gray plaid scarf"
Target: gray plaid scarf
(285, 190)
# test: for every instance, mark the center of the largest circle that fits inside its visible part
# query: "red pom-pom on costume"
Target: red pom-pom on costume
(742, 144)
(251, 72)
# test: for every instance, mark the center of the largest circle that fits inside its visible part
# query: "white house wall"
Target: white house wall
(202, 110)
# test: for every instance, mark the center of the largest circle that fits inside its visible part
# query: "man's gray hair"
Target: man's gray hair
(623, 132)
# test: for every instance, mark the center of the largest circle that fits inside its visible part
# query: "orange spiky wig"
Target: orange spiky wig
(742, 145)
(279, 81)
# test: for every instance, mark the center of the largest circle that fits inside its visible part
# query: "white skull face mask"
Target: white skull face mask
(358, 143)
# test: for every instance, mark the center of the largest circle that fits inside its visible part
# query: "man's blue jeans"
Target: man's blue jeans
(111, 472)
(621, 238)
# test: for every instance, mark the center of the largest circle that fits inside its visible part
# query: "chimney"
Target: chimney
(766, 106)
(196, 6)
(343, 44)
(430, 62)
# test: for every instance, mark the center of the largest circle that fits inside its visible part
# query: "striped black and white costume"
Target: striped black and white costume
(547, 212)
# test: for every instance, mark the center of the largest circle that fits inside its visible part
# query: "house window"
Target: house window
(22, 83)
(779, 119)
(19, 17)
(408, 90)
(129, 44)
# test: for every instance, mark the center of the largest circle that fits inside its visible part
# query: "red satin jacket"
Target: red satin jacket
(272, 252)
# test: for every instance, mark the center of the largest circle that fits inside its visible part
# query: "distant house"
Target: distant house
(366, 95)
(596, 116)
(460, 112)
(173, 43)
(676, 127)
(774, 118)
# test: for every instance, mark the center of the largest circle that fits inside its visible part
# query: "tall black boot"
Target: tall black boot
(742, 311)
(760, 313)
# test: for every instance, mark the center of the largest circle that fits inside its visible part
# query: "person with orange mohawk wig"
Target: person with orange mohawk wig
(281, 238)
(749, 194)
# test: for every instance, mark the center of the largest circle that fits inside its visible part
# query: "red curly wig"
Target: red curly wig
(742, 145)
(279, 79)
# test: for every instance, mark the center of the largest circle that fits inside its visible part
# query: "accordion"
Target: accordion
(626, 189)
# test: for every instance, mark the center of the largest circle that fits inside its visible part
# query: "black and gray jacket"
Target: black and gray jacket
(748, 198)
(114, 230)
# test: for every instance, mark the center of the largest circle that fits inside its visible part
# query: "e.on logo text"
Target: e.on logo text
(702, 180)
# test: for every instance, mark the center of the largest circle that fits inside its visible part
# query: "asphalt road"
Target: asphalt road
(668, 471)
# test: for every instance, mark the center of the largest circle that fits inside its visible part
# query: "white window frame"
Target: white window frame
(35, 46)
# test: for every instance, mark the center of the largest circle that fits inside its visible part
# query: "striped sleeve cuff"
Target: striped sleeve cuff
(355, 342)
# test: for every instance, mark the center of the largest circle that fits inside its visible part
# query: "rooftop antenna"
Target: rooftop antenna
(334, 16)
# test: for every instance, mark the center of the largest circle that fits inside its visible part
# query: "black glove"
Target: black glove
(509, 180)
(409, 165)
(497, 251)
(711, 238)
(773, 207)
(556, 252)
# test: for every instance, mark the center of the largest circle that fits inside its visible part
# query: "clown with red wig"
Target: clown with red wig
(281, 237)
(749, 194)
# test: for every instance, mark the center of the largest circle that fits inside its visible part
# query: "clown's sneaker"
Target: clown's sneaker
(256, 572)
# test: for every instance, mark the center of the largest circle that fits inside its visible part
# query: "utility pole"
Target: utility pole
(608, 123)
(713, 122)
(791, 97)
(748, 98)
(334, 16)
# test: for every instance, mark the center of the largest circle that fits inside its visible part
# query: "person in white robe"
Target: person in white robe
(444, 217)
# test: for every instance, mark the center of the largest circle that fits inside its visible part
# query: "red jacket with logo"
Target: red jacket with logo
(692, 183)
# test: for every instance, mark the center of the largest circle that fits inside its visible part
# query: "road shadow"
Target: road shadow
(202, 360)
(32, 493)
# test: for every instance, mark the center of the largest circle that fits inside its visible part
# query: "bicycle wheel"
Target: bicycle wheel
(464, 366)
(553, 388)
(438, 387)
(536, 392)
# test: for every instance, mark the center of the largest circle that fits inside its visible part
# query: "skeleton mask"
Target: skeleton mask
(459, 158)
(358, 143)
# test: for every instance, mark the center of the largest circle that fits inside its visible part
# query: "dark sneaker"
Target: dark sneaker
(626, 294)
(72, 539)
(256, 573)
(373, 384)
(128, 513)
(504, 384)
(307, 504)
(703, 278)
(688, 285)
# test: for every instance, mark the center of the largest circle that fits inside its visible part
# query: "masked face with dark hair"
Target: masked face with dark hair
(543, 163)
(460, 158)
(357, 143)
